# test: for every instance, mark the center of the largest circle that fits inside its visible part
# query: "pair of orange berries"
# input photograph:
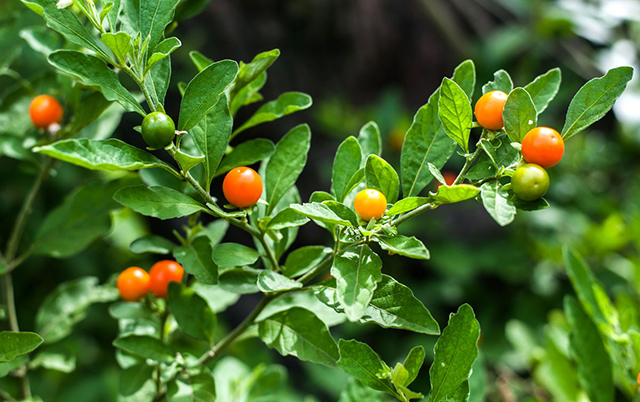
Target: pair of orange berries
(134, 283)
(542, 146)
(242, 187)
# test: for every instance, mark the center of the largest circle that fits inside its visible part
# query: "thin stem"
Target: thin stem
(143, 87)
(270, 255)
(5, 396)
(412, 214)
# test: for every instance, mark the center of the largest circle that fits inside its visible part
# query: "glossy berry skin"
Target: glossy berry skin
(489, 109)
(530, 182)
(163, 272)
(45, 110)
(242, 187)
(543, 146)
(370, 204)
(133, 284)
(158, 130)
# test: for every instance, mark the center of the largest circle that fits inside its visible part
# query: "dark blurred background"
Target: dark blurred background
(380, 60)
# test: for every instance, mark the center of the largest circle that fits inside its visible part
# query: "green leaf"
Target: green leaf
(303, 259)
(595, 372)
(158, 202)
(111, 155)
(157, 81)
(465, 76)
(287, 103)
(544, 88)
(413, 363)
(519, 115)
(186, 161)
(133, 378)
(286, 164)
(583, 283)
(191, 312)
(93, 72)
(356, 179)
(246, 154)
(249, 94)
(342, 211)
(62, 362)
(83, 217)
(203, 92)
(211, 137)
(197, 388)
(358, 392)
(455, 352)
(269, 281)
(217, 298)
(556, 373)
(154, 17)
(14, 344)
(455, 193)
(425, 142)
(147, 347)
(345, 164)
(380, 175)
(357, 273)
(455, 113)
(320, 212)
(360, 361)
(66, 23)
(239, 280)
(196, 259)
(370, 140)
(405, 246)
(119, 43)
(460, 394)
(250, 72)
(164, 49)
(478, 383)
(300, 333)
(501, 82)
(407, 204)
(497, 203)
(233, 254)
(393, 306)
(68, 304)
(200, 61)
(595, 99)
(287, 218)
(152, 244)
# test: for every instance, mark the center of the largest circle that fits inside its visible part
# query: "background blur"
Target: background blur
(380, 60)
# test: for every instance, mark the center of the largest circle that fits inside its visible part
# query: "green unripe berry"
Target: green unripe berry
(158, 130)
(530, 182)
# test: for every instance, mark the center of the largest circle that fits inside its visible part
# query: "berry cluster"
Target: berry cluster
(134, 283)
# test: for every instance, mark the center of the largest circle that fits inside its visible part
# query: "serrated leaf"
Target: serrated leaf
(501, 82)
(357, 274)
(544, 88)
(14, 344)
(380, 175)
(455, 352)
(455, 113)
(286, 164)
(94, 72)
(158, 202)
(405, 246)
(147, 347)
(345, 164)
(203, 91)
(519, 115)
(595, 99)
(287, 103)
(111, 155)
(246, 154)
(269, 281)
(191, 312)
(300, 333)
(595, 371)
(196, 259)
(360, 361)
(497, 203)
